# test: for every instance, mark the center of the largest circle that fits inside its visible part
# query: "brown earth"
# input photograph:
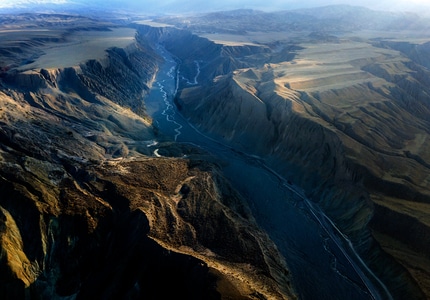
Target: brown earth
(86, 211)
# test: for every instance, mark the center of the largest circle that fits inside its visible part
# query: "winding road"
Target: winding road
(323, 261)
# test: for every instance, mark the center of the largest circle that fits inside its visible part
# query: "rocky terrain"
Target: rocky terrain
(86, 210)
(334, 101)
(343, 112)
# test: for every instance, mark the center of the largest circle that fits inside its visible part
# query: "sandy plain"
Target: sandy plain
(80, 47)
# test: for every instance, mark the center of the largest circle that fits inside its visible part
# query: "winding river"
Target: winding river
(323, 263)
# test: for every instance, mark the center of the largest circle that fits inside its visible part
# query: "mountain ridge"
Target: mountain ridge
(339, 114)
(75, 219)
(341, 135)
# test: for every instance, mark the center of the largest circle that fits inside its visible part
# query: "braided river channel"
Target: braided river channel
(323, 263)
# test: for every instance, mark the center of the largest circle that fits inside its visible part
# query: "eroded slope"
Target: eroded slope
(347, 120)
(85, 211)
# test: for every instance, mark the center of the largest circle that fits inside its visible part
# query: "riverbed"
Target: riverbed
(322, 263)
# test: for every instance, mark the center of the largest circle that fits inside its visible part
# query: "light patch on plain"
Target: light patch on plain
(153, 23)
(156, 153)
(81, 47)
(323, 67)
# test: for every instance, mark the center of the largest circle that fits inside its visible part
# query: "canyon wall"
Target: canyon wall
(353, 136)
(86, 210)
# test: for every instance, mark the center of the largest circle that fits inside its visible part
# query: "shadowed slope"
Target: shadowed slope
(348, 122)
(85, 211)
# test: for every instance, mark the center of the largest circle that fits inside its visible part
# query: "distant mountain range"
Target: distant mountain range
(301, 168)
(181, 6)
(334, 18)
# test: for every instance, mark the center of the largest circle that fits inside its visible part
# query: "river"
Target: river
(322, 261)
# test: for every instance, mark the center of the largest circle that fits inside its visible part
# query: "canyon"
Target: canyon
(291, 121)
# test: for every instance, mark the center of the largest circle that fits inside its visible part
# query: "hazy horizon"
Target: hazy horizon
(183, 6)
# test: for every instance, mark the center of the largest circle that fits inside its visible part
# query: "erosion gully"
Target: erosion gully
(323, 262)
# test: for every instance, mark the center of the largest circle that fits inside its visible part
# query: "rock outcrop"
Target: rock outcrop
(123, 228)
(351, 129)
(86, 211)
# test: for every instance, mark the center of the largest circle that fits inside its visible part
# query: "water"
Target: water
(322, 264)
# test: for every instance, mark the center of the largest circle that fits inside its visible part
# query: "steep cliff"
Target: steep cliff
(212, 59)
(347, 122)
(101, 231)
(87, 211)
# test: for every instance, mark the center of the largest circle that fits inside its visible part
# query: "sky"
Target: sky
(172, 6)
